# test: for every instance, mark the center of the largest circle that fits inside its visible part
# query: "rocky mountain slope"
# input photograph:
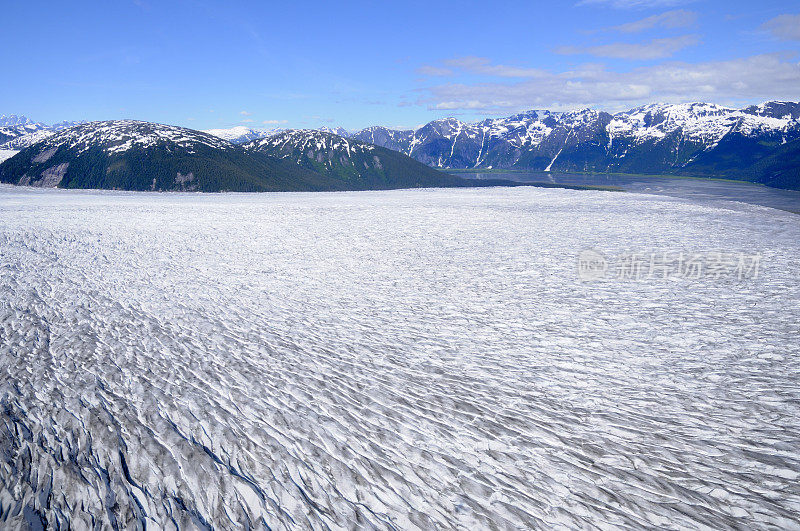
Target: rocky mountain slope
(133, 155)
(239, 134)
(19, 132)
(360, 165)
(756, 143)
(700, 139)
(13, 127)
(693, 138)
(13, 120)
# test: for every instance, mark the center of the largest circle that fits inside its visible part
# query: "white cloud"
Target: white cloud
(247, 121)
(784, 27)
(481, 65)
(274, 122)
(245, 113)
(428, 70)
(677, 18)
(634, 4)
(655, 49)
(761, 77)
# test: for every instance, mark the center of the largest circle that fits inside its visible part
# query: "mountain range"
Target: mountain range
(19, 132)
(759, 143)
(696, 139)
(358, 164)
(134, 155)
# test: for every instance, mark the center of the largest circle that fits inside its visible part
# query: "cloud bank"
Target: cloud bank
(655, 49)
(634, 4)
(678, 18)
(766, 76)
(784, 27)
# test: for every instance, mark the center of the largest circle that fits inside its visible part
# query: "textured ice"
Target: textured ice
(404, 359)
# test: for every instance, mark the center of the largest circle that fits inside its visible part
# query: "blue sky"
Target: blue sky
(262, 64)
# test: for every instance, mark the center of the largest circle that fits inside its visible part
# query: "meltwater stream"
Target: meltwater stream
(392, 360)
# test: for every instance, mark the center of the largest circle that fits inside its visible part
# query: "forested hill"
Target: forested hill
(134, 155)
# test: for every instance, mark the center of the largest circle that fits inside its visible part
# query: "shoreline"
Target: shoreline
(457, 171)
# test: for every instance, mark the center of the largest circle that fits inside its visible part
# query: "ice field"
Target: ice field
(393, 360)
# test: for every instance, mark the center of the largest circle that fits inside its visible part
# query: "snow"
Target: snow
(408, 359)
(554, 159)
(26, 140)
(117, 136)
(240, 134)
(703, 123)
(230, 133)
(335, 131)
(6, 154)
(309, 141)
(700, 122)
(16, 121)
(22, 136)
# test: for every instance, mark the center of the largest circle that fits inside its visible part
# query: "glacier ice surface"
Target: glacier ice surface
(402, 359)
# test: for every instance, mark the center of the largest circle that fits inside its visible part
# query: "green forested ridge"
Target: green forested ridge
(357, 165)
(130, 155)
(143, 156)
(158, 169)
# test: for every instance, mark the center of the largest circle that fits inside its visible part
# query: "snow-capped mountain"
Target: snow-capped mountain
(66, 124)
(11, 132)
(309, 141)
(693, 137)
(134, 155)
(398, 140)
(700, 139)
(118, 136)
(359, 164)
(19, 132)
(341, 131)
(240, 134)
(12, 120)
(25, 140)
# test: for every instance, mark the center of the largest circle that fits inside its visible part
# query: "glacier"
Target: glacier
(392, 360)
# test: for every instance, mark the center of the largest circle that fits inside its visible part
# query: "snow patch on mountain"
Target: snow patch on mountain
(341, 131)
(501, 142)
(287, 141)
(699, 122)
(12, 120)
(118, 136)
(6, 154)
(239, 134)
(26, 140)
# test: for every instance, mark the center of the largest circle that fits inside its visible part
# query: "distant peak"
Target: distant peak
(12, 120)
